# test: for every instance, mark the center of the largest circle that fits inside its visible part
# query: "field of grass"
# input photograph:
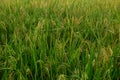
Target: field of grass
(59, 39)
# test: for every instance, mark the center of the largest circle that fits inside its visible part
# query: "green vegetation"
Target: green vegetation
(59, 39)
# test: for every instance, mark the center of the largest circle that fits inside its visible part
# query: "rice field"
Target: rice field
(59, 39)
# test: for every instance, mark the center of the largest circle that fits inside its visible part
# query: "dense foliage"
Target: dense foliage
(59, 39)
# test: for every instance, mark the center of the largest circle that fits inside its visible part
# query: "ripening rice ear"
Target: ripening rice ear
(105, 54)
